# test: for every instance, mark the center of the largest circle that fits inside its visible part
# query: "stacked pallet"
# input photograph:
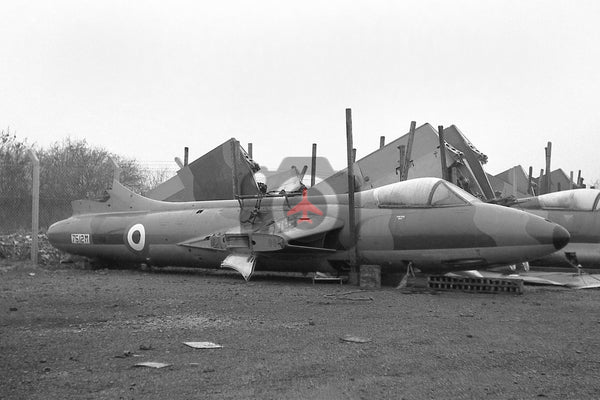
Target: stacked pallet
(477, 285)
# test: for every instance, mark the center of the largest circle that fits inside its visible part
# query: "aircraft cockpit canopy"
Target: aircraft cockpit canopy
(424, 192)
(576, 200)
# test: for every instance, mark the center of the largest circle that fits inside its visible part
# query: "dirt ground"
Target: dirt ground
(73, 333)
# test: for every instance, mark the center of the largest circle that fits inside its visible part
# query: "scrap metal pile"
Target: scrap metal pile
(17, 246)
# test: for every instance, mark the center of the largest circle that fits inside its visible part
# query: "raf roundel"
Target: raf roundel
(136, 237)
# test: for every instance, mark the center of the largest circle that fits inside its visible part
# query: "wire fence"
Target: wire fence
(58, 190)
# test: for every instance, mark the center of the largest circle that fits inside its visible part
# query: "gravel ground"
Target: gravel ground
(72, 333)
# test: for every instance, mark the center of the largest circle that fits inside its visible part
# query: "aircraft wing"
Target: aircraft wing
(280, 235)
(321, 225)
(285, 235)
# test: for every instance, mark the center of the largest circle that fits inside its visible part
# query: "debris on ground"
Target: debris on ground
(344, 296)
(203, 345)
(127, 354)
(17, 246)
(354, 339)
(152, 364)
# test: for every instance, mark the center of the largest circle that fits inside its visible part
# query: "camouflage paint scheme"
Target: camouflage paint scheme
(578, 211)
(403, 222)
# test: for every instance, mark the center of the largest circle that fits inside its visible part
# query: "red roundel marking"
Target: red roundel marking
(305, 207)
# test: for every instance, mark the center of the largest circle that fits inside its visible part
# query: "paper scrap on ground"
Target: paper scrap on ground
(152, 364)
(355, 339)
(203, 345)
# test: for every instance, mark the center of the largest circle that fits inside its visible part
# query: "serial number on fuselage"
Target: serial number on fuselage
(80, 238)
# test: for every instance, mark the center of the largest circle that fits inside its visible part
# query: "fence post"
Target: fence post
(35, 206)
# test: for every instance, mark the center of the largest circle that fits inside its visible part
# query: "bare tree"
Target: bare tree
(15, 183)
(69, 170)
(154, 176)
(73, 169)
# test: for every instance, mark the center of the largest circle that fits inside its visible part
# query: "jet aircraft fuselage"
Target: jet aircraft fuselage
(429, 222)
(578, 211)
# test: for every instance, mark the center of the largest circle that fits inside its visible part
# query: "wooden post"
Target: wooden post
(178, 162)
(548, 158)
(381, 141)
(234, 175)
(408, 159)
(370, 277)
(35, 206)
(313, 165)
(250, 150)
(351, 210)
(443, 153)
(571, 180)
(514, 181)
(186, 153)
(401, 157)
(530, 182)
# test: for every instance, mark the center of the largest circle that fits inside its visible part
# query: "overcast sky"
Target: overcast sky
(146, 78)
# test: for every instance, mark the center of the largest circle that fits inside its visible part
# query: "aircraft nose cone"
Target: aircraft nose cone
(546, 232)
(55, 232)
(59, 234)
(52, 233)
(560, 237)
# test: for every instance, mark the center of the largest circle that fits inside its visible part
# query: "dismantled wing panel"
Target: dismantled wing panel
(567, 279)
(178, 188)
(504, 182)
(475, 159)
(294, 173)
(323, 168)
(381, 167)
(220, 174)
(288, 181)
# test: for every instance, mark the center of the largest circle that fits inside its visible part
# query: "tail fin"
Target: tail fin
(118, 198)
